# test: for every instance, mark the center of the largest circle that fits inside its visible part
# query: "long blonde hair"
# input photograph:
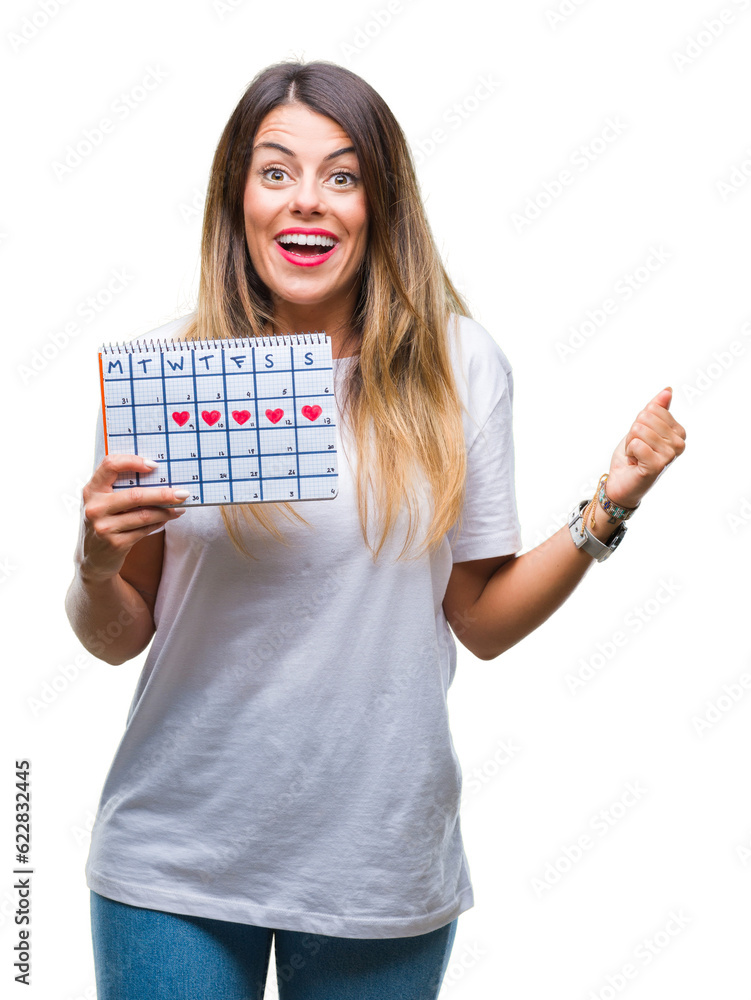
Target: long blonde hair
(400, 397)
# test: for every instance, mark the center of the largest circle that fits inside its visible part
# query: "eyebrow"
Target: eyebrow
(288, 152)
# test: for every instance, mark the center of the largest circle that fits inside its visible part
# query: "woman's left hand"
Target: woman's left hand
(654, 441)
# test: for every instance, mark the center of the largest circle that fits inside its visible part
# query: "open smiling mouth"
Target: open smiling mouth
(306, 246)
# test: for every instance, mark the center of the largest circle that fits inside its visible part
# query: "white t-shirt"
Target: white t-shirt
(287, 760)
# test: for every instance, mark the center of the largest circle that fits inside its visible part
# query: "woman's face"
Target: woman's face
(306, 215)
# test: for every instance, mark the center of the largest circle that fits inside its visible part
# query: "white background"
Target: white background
(678, 93)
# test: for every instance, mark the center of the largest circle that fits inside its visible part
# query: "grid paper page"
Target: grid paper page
(233, 421)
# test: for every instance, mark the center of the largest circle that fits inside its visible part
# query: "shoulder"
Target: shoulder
(482, 371)
(474, 348)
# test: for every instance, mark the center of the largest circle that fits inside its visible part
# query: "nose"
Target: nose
(306, 197)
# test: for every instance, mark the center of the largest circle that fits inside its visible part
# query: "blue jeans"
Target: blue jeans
(141, 953)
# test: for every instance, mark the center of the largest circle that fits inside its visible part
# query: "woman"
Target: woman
(287, 767)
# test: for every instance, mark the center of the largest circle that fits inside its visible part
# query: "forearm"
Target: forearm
(524, 592)
(109, 617)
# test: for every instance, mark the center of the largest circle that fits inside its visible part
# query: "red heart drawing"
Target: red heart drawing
(241, 415)
(211, 418)
(311, 412)
(275, 415)
(181, 418)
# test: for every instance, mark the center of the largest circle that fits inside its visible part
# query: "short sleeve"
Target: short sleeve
(99, 454)
(490, 524)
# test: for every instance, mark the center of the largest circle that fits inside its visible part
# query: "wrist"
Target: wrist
(614, 499)
(91, 578)
(605, 525)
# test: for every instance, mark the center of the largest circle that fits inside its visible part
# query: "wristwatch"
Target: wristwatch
(587, 541)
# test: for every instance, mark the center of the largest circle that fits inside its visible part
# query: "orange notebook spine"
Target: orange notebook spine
(104, 408)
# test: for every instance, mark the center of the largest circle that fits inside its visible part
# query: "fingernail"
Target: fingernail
(181, 494)
(669, 388)
(179, 510)
(151, 464)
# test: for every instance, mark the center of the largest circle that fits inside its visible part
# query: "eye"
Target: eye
(343, 178)
(277, 174)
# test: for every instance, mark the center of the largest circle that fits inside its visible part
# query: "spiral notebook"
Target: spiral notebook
(250, 420)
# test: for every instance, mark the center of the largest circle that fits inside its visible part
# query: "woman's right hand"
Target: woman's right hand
(114, 520)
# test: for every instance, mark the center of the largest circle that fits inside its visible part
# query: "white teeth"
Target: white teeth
(305, 239)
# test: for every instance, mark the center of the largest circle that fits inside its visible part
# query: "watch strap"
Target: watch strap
(584, 539)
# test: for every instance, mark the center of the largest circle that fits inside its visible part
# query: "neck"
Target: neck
(336, 322)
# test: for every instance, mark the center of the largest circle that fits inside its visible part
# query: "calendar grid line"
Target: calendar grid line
(166, 417)
(147, 378)
(198, 426)
(258, 424)
(226, 422)
(294, 410)
(133, 413)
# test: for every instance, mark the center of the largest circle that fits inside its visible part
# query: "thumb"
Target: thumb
(664, 397)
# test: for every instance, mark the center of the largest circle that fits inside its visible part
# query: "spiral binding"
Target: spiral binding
(272, 340)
